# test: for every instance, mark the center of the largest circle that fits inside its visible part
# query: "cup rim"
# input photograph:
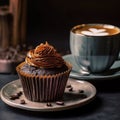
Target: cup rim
(79, 25)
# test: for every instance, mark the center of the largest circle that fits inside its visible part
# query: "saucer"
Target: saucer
(71, 99)
(114, 71)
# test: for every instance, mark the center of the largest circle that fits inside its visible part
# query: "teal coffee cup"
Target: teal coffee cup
(95, 47)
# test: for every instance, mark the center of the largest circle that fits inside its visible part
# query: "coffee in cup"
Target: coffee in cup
(95, 47)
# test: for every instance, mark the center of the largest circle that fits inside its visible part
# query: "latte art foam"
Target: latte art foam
(96, 30)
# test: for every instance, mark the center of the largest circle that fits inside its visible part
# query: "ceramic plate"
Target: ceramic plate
(114, 71)
(71, 99)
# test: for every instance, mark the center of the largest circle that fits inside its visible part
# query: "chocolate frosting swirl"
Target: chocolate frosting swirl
(44, 56)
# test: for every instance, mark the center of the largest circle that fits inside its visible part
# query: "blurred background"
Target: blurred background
(51, 20)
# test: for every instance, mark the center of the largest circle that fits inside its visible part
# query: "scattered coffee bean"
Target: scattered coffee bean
(16, 96)
(59, 102)
(70, 89)
(68, 86)
(19, 93)
(81, 91)
(49, 104)
(22, 101)
(13, 97)
(14, 53)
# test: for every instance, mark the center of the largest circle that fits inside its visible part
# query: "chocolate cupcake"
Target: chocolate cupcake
(44, 74)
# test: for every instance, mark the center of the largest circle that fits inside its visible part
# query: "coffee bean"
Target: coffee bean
(59, 102)
(49, 104)
(13, 97)
(70, 89)
(22, 101)
(81, 91)
(19, 93)
(12, 53)
(68, 86)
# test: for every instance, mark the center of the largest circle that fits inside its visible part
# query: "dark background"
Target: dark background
(51, 20)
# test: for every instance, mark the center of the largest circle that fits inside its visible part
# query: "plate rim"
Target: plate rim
(87, 77)
(49, 109)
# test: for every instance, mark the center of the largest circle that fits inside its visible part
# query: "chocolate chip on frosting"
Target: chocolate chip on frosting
(44, 56)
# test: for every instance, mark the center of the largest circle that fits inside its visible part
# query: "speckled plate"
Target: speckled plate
(113, 72)
(71, 99)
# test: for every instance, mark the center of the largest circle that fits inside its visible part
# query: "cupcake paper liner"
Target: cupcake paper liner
(44, 88)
